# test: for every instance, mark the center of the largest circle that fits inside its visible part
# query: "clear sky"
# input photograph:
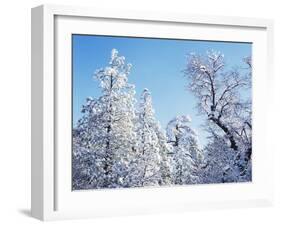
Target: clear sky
(157, 65)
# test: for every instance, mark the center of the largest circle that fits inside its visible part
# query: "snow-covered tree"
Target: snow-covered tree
(218, 93)
(87, 164)
(83, 164)
(166, 158)
(152, 165)
(220, 163)
(107, 126)
(187, 156)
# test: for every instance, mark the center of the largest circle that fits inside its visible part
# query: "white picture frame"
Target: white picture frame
(51, 194)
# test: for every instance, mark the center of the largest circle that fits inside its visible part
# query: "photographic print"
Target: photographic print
(160, 112)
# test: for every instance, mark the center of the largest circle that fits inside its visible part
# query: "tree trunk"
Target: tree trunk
(233, 144)
(108, 157)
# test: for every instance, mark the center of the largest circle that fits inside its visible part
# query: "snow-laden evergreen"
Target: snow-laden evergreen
(187, 156)
(107, 128)
(153, 162)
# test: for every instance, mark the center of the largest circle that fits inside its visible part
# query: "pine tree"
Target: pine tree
(166, 158)
(107, 127)
(148, 145)
(187, 156)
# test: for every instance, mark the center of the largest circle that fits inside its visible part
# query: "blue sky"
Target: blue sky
(157, 65)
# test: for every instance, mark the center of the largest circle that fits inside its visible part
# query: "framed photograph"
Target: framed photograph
(136, 113)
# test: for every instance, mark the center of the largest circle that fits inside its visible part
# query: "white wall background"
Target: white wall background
(15, 111)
